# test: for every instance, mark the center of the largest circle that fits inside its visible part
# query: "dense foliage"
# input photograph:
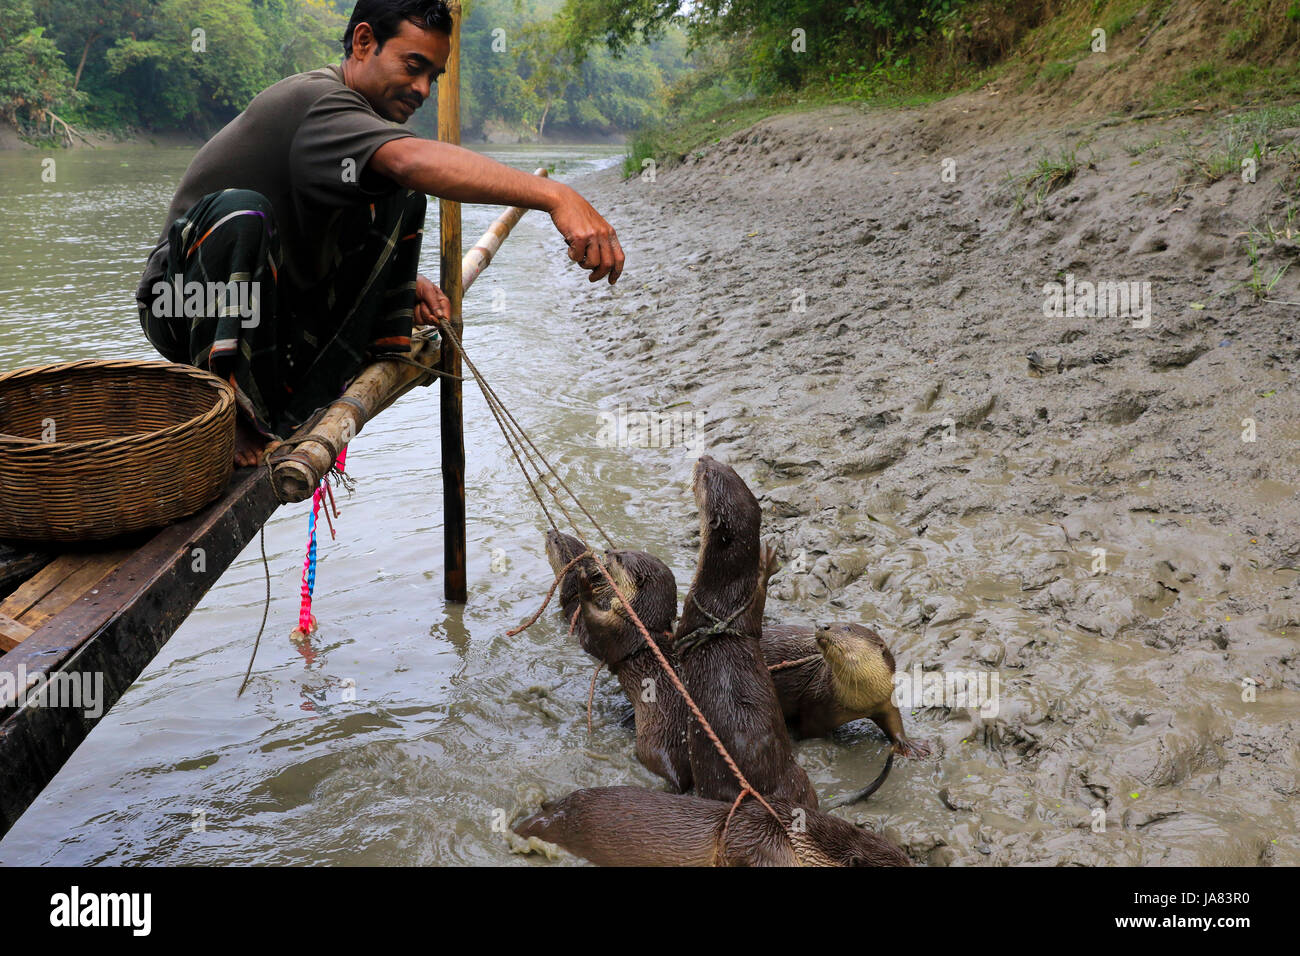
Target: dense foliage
(33, 78)
(521, 74)
(782, 42)
(193, 64)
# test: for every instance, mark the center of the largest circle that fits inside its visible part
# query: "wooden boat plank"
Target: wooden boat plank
(12, 633)
(92, 569)
(31, 592)
(115, 633)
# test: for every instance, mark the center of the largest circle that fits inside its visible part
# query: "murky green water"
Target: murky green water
(447, 724)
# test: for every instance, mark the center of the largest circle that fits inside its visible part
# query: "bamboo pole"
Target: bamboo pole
(478, 258)
(452, 409)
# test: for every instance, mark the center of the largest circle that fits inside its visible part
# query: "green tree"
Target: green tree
(302, 34)
(80, 28)
(548, 68)
(775, 56)
(518, 69)
(202, 60)
(33, 79)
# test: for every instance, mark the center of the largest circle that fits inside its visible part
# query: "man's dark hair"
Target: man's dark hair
(385, 18)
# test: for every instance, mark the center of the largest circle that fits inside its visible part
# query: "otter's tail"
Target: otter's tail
(868, 790)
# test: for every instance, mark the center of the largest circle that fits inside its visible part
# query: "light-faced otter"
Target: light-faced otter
(662, 720)
(717, 645)
(850, 676)
(628, 826)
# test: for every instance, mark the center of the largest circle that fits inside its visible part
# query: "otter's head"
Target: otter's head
(861, 666)
(560, 550)
(844, 844)
(729, 515)
(651, 591)
(546, 823)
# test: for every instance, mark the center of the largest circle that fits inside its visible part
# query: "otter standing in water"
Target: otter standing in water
(560, 550)
(628, 826)
(717, 643)
(850, 676)
(662, 721)
(658, 711)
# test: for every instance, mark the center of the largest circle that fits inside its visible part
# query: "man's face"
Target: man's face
(397, 78)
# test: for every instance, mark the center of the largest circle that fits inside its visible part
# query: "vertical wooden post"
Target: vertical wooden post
(452, 422)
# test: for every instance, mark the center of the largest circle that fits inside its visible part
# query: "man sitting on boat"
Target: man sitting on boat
(289, 255)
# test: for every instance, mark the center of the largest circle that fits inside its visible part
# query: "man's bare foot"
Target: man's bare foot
(250, 445)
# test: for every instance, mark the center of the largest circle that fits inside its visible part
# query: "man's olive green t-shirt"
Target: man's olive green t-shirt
(304, 143)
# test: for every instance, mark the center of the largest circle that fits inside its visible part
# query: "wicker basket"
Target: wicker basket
(90, 450)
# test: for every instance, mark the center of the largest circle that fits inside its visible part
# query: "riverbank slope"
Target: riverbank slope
(1100, 510)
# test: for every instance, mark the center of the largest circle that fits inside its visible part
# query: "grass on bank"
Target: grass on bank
(670, 144)
(1253, 136)
(1049, 174)
(1218, 83)
(692, 131)
(1262, 280)
(1250, 61)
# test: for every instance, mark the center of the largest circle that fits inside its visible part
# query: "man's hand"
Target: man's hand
(452, 172)
(430, 304)
(592, 241)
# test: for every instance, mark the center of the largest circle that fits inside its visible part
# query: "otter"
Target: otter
(660, 714)
(850, 676)
(629, 826)
(560, 550)
(717, 645)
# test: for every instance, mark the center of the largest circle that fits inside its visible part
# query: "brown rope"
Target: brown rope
(512, 440)
(404, 360)
(591, 691)
(719, 626)
(722, 838)
(550, 594)
(745, 786)
(510, 443)
(490, 394)
(515, 442)
(795, 663)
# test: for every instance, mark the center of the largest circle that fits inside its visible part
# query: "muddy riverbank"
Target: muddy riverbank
(1099, 508)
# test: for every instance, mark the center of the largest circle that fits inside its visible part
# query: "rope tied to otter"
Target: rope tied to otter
(573, 624)
(795, 663)
(519, 442)
(550, 594)
(688, 642)
(745, 787)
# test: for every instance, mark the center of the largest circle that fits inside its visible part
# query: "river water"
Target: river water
(410, 726)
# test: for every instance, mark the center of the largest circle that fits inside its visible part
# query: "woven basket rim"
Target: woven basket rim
(224, 399)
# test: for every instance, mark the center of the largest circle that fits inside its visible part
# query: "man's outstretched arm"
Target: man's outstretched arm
(451, 172)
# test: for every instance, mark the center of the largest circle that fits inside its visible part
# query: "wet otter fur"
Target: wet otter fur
(661, 718)
(629, 826)
(560, 550)
(725, 671)
(850, 677)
